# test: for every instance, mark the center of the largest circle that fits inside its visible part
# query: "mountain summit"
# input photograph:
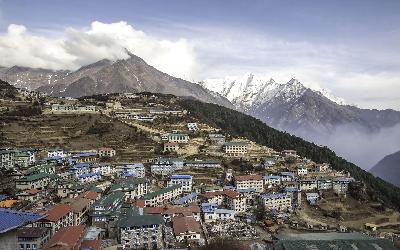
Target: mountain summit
(126, 75)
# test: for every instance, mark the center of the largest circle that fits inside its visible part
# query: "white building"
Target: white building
(235, 149)
(133, 188)
(162, 196)
(90, 177)
(171, 147)
(106, 152)
(174, 137)
(192, 126)
(166, 166)
(141, 231)
(249, 181)
(132, 170)
(7, 158)
(278, 201)
(184, 180)
(302, 170)
(56, 152)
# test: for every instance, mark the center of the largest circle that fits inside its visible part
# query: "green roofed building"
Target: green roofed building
(328, 241)
(163, 195)
(36, 181)
(141, 231)
(104, 212)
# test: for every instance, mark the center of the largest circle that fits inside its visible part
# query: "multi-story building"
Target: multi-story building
(106, 152)
(7, 158)
(56, 152)
(277, 201)
(186, 181)
(161, 196)
(101, 168)
(186, 229)
(228, 198)
(235, 149)
(171, 147)
(203, 164)
(174, 137)
(235, 201)
(85, 157)
(287, 176)
(166, 166)
(132, 170)
(308, 184)
(141, 231)
(31, 195)
(324, 183)
(34, 181)
(102, 210)
(57, 217)
(211, 213)
(218, 139)
(169, 212)
(133, 188)
(302, 170)
(89, 177)
(249, 181)
(32, 238)
(80, 168)
(192, 126)
(271, 181)
(341, 185)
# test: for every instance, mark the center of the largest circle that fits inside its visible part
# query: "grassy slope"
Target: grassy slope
(239, 124)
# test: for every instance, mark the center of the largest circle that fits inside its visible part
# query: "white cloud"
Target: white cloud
(78, 47)
(362, 72)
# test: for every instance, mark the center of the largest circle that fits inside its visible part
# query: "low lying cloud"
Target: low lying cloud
(363, 148)
(78, 47)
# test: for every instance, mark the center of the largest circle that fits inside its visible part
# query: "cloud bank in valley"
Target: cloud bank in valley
(78, 47)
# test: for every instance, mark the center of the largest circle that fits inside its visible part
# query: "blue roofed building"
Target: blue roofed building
(212, 213)
(271, 180)
(181, 179)
(276, 201)
(10, 220)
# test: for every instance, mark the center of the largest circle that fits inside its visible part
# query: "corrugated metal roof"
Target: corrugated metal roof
(10, 219)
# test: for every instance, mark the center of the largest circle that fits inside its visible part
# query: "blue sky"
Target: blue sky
(349, 47)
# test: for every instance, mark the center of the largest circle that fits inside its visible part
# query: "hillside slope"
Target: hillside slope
(239, 124)
(388, 168)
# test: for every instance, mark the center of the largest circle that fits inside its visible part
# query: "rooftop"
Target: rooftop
(159, 192)
(56, 212)
(185, 224)
(66, 238)
(10, 219)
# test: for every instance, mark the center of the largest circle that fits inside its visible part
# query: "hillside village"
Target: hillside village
(137, 171)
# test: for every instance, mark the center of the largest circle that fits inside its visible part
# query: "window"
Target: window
(21, 246)
(28, 246)
(34, 246)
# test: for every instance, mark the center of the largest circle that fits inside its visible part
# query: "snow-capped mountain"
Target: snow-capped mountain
(249, 90)
(314, 114)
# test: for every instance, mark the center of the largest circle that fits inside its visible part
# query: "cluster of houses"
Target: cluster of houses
(100, 200)
(81, 200)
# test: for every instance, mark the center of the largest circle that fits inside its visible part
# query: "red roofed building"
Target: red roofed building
(229, 198)
(57, 217)
(186, 228)
(91, 244)
(249, 181)
(67, 238)
(91, 195)
(169, 212)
